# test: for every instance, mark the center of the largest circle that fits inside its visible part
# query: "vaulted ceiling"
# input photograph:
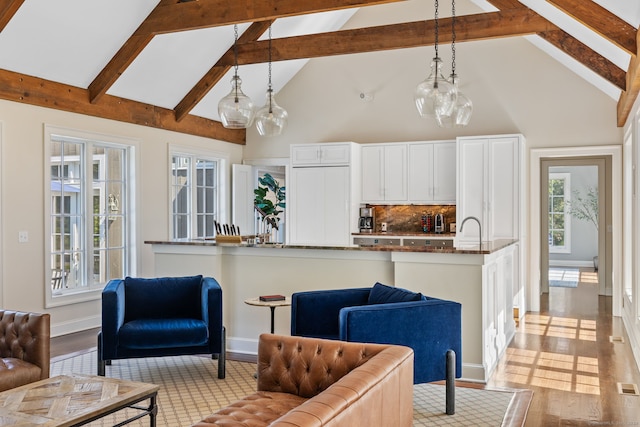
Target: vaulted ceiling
(166, 63)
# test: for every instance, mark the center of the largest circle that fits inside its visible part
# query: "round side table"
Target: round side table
(271, 304)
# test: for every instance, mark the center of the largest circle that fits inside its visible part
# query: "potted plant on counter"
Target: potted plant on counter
(269, 201)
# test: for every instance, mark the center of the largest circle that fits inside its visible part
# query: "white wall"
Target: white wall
(23, 277)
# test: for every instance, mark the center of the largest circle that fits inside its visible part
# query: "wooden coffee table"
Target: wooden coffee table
(75, 400)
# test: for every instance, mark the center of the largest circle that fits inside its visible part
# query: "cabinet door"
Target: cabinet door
(336, 154)
(444, 172)
(471, 189)
(305, 155)
(306, 206)
(335, 201)
(395, 172)
(503, 191)
(372, 173)
(319, 206)
(421, 164)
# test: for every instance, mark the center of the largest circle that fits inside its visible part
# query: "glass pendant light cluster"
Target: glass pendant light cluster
(272, 118)
(438, 98)
(236, 110)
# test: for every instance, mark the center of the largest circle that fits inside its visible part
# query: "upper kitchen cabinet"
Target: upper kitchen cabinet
(330, 154)
(384, 173)
(489, 187)
(323, 198)
(432, 172)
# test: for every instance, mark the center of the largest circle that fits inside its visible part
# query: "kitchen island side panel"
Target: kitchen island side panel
(455, 282)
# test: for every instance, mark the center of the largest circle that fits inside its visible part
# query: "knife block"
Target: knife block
(229, 240)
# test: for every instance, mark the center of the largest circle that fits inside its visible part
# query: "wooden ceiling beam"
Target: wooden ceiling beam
(211, 77)
(629, 96)
(169, 16)
(8, 8)
(395, 36)
(45, 93)
(600, 20)
(585, 55)
(212, 13)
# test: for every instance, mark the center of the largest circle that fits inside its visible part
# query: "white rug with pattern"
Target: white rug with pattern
(190, 390)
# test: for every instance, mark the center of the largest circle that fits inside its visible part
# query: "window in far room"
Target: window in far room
(195, 195)
(89, 225)
(559, 220)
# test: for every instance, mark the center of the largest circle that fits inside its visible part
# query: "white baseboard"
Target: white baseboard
(76, 325)
(242, 345)
(569, 263)
(473, 372)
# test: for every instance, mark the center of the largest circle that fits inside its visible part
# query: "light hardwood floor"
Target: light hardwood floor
(563, 354)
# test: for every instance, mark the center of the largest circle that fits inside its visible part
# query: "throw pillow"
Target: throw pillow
(382, 294)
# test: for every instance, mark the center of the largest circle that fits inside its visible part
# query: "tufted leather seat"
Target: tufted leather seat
(24, 348)
(316, 382)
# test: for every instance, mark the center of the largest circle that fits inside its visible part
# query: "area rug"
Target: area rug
(564, 277)
(190, 390)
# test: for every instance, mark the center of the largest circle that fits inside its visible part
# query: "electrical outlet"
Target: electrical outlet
(23, 236)
(383, 226)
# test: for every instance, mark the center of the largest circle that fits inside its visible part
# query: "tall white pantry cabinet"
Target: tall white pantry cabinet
(489, 187)
(323, 193)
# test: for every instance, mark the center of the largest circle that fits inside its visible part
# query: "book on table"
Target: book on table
(268, 298)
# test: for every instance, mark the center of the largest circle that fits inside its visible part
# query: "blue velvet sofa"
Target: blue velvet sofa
(388, 315)
(166, 316)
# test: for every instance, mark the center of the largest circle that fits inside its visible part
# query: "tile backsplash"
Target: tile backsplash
(408, 218)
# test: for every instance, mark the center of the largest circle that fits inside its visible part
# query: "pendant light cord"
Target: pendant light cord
(436, 27)
(453, 40)
(235, 60)
(270, 89)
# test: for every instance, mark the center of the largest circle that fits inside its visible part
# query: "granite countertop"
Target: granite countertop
(487, 247)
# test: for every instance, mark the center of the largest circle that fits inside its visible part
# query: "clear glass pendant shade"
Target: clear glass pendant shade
(435, 96)
(272, 118)
(462, 109)
(236, 109)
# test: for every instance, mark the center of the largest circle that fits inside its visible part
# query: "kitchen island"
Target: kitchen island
(483, 281)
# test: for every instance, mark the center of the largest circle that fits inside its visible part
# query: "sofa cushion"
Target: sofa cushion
(257, 409)
(382, 294)
(162, 298)
(16, 372)
(163, 333)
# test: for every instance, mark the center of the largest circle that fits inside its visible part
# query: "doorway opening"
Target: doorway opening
(574, 214)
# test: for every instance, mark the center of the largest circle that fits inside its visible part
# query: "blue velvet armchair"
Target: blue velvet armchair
(166, 316)
(388, 315)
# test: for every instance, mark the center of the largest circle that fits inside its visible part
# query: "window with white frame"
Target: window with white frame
(195, 195)
(88, 187)
(559, 219)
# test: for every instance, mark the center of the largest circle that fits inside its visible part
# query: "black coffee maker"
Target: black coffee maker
(366, 220)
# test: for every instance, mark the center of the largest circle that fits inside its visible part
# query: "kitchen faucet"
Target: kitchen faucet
(479, 228)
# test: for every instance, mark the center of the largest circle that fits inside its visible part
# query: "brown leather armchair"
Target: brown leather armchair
(25, 340)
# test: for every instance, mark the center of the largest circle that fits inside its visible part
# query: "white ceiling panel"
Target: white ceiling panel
(69, 41)
(168, 67)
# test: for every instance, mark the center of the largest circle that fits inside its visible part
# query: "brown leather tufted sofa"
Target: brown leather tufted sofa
(316, 382)
(24, 348)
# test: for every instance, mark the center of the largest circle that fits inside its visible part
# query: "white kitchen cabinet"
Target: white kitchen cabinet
(384, 173)
(432, 172)
(319, 206)
(488, 187)
(329, 154)
(323, 200)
